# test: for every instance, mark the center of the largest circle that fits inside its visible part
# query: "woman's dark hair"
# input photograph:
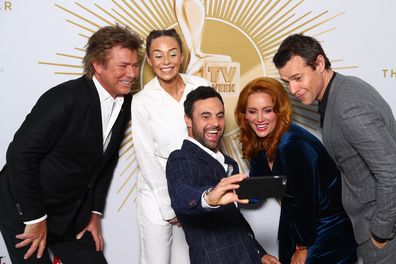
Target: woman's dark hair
(163, 33)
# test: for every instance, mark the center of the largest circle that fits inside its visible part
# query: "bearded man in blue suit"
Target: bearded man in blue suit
(203, 196)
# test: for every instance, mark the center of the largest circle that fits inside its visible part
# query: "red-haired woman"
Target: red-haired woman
(314, 227)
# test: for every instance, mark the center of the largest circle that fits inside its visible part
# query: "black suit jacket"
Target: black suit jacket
(220, 235)
(55, 163)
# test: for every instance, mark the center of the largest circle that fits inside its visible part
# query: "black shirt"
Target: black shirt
(323, 102)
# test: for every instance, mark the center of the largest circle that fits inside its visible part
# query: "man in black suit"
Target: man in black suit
(203, 196)
(61, 160)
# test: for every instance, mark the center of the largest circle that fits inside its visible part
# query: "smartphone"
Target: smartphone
(261, 187)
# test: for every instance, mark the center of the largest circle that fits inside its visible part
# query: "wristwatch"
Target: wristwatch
(301, 248)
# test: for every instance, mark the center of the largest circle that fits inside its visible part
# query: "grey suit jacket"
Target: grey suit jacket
(359, 132)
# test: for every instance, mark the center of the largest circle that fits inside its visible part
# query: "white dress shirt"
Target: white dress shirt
(216, 155)
(110, 109)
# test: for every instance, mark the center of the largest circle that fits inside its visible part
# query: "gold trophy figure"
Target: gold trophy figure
(190, 15)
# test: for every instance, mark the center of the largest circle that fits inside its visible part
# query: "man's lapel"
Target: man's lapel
(95, 115)
(206, 158)
(328, 128)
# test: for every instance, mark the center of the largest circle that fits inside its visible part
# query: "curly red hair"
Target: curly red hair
(251, 143)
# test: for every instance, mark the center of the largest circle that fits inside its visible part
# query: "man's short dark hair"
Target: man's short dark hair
(201, 93)
(306, 47)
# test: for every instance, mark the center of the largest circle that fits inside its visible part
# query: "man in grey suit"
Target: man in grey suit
(359, 132)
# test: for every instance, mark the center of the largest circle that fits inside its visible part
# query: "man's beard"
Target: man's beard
(200, 137)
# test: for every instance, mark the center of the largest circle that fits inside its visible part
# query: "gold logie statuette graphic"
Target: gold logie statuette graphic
(228, 42)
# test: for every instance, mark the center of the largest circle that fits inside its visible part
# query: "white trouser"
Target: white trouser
(160, 242)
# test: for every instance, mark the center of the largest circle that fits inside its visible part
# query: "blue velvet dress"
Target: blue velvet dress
(311, 212)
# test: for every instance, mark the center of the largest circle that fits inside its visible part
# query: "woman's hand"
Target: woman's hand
(174, 221)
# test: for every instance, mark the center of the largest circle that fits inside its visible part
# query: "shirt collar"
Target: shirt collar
(187, 81)
(103, 93)
(216, 155)
(323, 102)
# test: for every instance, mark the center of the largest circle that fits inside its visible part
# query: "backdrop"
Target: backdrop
(229, 42)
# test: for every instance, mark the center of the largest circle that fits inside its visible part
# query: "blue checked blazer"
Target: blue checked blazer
(220, 235)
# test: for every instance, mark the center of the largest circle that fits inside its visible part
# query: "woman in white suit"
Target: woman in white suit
(158, 128)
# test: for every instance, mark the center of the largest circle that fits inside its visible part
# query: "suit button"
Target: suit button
(193, 203)
(393, 231)
(250, 235)
(19, 209)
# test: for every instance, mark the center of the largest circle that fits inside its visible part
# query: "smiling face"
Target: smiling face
(207, 122)
(165, 58)
(302, 81)
(260, 114)
(119, 72)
